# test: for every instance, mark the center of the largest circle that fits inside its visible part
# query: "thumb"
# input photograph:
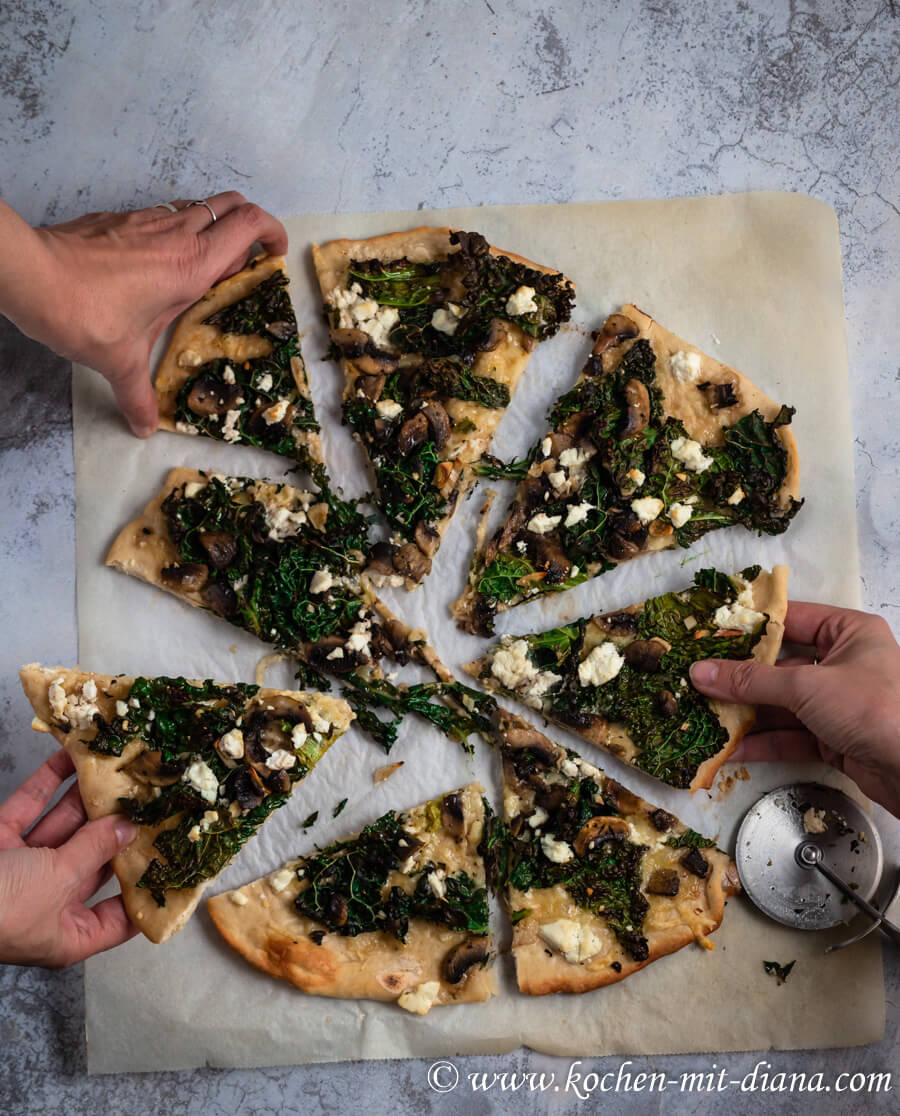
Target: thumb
(747, 681)
(137, 399)
(95, 843)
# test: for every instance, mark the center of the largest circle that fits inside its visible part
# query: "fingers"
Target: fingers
(749, 681)
(788, 746)
(92, 846)
(137, 399)
(27, 804)
(94, 929)
(816, 625)
(60, 823)
(197, 218)
(772, 717)
(232, 236)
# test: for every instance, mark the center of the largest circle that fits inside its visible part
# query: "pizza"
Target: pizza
(233, 368)
(622, 679)
(397, 913)
(655, 445)
(198, 766)
(597, 882)
(433, 328)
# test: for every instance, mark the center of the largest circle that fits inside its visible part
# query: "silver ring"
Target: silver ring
(200, 201)
(166, 205)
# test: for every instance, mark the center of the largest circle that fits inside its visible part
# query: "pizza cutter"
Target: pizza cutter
(809, 857)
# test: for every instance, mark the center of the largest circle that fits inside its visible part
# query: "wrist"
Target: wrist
(29, 280)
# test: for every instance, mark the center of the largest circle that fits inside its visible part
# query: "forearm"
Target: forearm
(25, 275)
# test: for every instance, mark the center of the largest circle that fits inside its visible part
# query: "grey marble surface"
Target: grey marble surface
(351, 107)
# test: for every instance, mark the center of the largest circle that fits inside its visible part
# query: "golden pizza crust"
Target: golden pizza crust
(505, 363)
(269, 931)
(769, 596)
(670, 924)
(101, 783)
(194, 343)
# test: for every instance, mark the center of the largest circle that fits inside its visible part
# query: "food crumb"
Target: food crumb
(382, 773)
(814, 821)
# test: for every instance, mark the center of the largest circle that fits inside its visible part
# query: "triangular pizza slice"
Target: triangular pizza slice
(233, 368)
(397, 913)
(598, 883)
(622, 679)
(198, 766)
(434, 328)
(656, 445)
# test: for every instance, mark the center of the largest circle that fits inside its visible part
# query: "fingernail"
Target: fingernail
(143, 431)
(704, 674)
(125, 832)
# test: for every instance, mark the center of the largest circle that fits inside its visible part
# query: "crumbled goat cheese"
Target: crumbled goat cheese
(736, 496)
(203, 780)
(121, 709)
(436, 883)
(276, 412)
(601, 665)
(232, 744)
(735, 615)
(512, 667)
(193, 488)
(446, 321)
(814, 821)
(575, 942)
(560, 852)
(569, 767)
(281, 760)
(538, 818)
(558, 479)
(238, 898)
(575, 458)
(283, 523)
(360, 636)
(647, 508)
(420, 1000)
(186, 428)
(228, 374)
(194, 833)
(685, 366)
(388, 408)
(636, 476)
(230, 431)
(546, 446)
(321, 581)
(357, 312)
(521, 301)
(298, 736)
(577, 514)
(79, 711)
(337, 653)
(279, 880)
(690, 453)
(264, 382)
(542, 523)
(679, 514)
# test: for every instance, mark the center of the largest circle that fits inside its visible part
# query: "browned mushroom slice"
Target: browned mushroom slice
(221, 547)
(337, 910)
(637, 399)
(617, 623)
(320, 655)
(646, 654)
(209, 396)
(600, 829)
(494, 334)
(412, 433)
(427, 538)
(505, 535)
(696, 863)
(438, 422)
(351, 342)
(411, 562)
(248, 791)
(620, 548)
(667, 702)
(720, 395)
(374, 362)
(150, 767)
(220, 597)
(576, 425)
(548, 555)
(622, 798)
(370, 386)
(381, 558)
(190, 577)
(616, 329)
(662, 819)
(522, 739)
(261, 426)
(664, 881)
(452, 816)
(473, 951)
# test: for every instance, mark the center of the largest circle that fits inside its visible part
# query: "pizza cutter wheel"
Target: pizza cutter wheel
(809, 857)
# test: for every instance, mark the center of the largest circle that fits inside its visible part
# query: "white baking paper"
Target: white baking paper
(755, 280)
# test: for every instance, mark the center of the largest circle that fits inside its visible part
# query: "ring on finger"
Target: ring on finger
(201, 201)
(172, 208)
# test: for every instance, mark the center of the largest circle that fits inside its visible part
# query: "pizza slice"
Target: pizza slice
(397, 913)
(656, 445)
(233, 368)
(434, 328)
(198, 766)
(597, 882)
(622, 679)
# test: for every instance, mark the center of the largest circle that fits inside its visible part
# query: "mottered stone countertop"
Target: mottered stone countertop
(348, 107)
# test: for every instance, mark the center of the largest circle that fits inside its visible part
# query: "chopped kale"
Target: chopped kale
(780, 972)
(339, 809)
(266, 310)
(690, 839)
(310, 820)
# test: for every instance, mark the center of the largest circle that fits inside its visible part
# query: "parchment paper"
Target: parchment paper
(754, 279)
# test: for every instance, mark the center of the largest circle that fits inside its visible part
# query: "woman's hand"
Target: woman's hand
(49, 871)
(101, 289)
(840, 704)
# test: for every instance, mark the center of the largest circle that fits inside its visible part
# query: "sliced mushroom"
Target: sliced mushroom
(370, 386)
(645, 654)
(720, 395)
(149, 767)
(374, 362)
(446, 474)
(411, 562)
(620, 548)
(616, 329)
(337, 910)
(548, 555)
(381, 558)
(220, 597)
(505, 535)
(190, 577)
(622, 798)
(351, 342)
(281, 330)
(412, 433)
(260, 428)
(221, 547)
(664, 881)
(473, 951)
(494, 334)
(637, 399)
(576, 425)
(696, 863)
(278, 782)
(529, 739)
(559, 443)
(552, 796)
(600, 829)
(319, 654)
(617, 623)
(667, 702)
(209, 396)
(438, 422)
(452, 815)
(427, 538)
(248, 792)
(661, 819)
(397, 635)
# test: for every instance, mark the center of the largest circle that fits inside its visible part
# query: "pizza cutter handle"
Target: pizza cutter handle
(886, 927)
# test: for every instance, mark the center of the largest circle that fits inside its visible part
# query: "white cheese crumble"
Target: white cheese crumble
(420, 1000)
(337, 653)
(281, 760)
(283, 523)
(736, 496)
(77, 710)
(560, 852)
(360, 636)
(679, 514)
(298, 736)
(690, 453)
(228, 374)
(512, 805)
(357, 312)
(578, 514)
(194, 833)
(276, 412)
(814, 821)
(558, 479)
(569, 767)
(388, 408)
(193, 488)
(238, 898)
(521, 301)
(436, 883)
(186, 428)
(230, 431)
(121, 709)
(446, 321)
(736, 615)
(636, 476)
(570, 938)
(201, 777)
(512, 667)
(546, 446)
(319, 723)
(601, 665)
(647, 508)
(321, 581)
(232, 744)
(264, 382)
(279, 880)
(542, 523)
(538, 818)
(685, 366)
(575, 458)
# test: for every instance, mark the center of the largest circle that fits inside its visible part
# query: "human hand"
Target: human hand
(840, 705)
(101, 289)
(47, 875)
